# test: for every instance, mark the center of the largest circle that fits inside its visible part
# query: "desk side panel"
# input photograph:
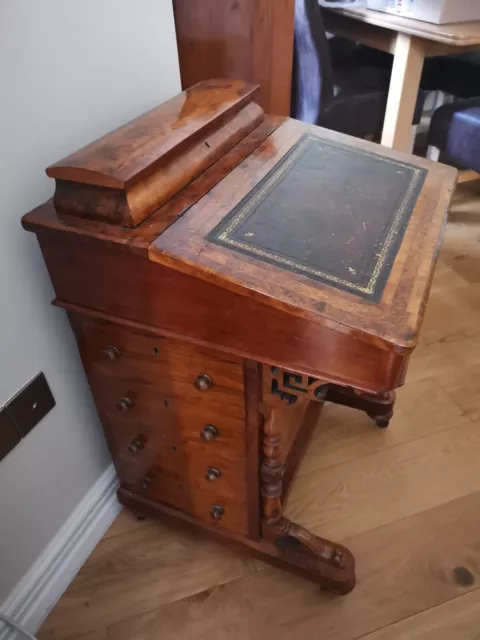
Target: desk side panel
(109, 282)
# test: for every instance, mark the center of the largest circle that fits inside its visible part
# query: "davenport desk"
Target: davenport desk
(225, 274)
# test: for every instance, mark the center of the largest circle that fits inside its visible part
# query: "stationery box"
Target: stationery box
(436, 11)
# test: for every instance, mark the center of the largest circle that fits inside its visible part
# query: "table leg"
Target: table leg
(402, 96)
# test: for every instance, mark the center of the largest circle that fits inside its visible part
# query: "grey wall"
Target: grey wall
(69, 72)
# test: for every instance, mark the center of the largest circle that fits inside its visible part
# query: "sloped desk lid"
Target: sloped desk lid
(325, 225)
(327, 211)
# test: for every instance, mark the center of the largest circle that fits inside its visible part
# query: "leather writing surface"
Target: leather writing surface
(330, 212)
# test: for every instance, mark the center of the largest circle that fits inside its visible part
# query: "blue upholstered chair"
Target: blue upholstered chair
(455, 130)
(349, 98)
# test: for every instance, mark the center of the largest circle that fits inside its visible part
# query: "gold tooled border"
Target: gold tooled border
(270, 184)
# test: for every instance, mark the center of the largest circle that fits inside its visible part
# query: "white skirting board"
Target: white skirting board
(47, 579)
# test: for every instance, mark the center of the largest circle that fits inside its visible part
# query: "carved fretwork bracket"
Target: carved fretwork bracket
(289, 386)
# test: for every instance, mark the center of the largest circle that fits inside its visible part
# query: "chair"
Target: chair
(349, 98)
(455, 130)
(458, 75)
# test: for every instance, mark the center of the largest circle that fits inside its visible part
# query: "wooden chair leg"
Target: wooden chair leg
(433, 153)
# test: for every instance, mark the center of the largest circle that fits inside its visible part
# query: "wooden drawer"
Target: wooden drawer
(174, 436)
(194, 462)
(170, 488)
(160, 365)
(178, 419)
(171, 440)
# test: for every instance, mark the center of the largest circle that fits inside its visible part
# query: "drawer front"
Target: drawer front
(170, 488)
(174, 418)
(196, 463)
(164, 366)
(178, 420)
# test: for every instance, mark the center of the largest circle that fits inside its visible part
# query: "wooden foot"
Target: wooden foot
(301, 560)
(378, 406)
(327, 563)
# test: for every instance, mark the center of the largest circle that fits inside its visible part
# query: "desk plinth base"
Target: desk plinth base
(283, 555)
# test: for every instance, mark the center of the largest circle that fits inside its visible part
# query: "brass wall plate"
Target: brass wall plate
(30, 405)
(9, 436)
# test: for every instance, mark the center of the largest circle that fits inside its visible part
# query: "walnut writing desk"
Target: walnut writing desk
(225, 274)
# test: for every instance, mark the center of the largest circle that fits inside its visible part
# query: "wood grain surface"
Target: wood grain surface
(229, 320)
(395, 320)
(176, 326)
(418, 565)
(129, 173)
(372, 342)
(247, 39)
(122, 157)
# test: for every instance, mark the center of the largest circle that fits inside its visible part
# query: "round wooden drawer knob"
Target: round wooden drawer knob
(209, 433)
(217, 512)
(124, 404)
(145, 482)
(213, 474)
(111, 352)
(136, 445)
(203, 382)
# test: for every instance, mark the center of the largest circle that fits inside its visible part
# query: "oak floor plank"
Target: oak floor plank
(101, 634)
(452, 312)
(461, 250)
(433, 360)
(445, 277)
(346, 434)
(137, 571)
(375, 490)
(463, 387)
(403, 569)
(451, 333)
(126, 521)
(458, 619)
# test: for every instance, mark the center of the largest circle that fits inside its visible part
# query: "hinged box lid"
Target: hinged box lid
(126, 175)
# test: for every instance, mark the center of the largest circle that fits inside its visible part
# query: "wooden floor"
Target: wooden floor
(406, 500)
